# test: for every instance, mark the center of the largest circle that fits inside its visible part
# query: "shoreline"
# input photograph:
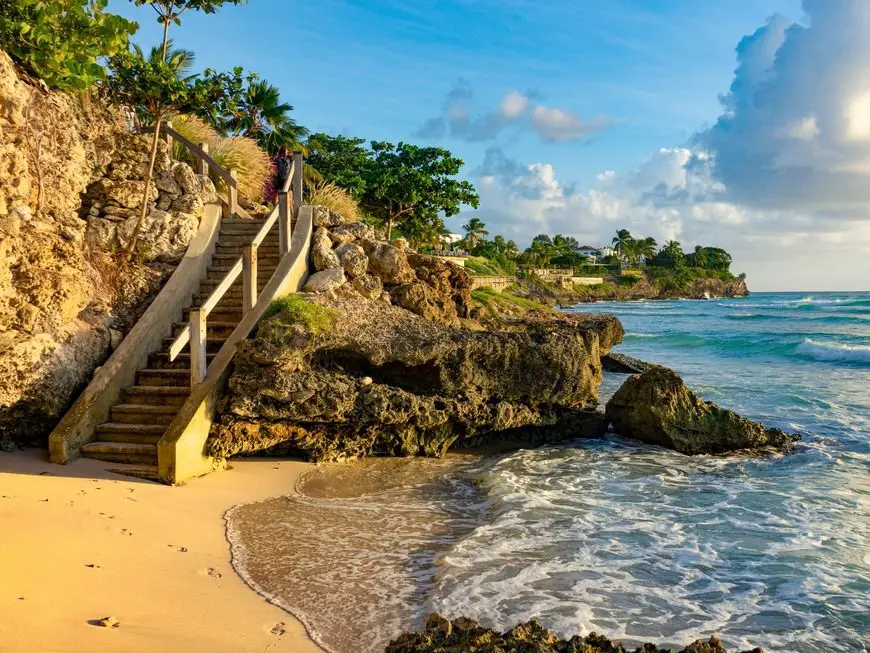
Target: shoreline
(79, 543)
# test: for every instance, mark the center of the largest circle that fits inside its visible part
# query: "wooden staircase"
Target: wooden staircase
(147, 409)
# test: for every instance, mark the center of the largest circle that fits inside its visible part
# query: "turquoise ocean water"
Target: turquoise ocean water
(611, 535)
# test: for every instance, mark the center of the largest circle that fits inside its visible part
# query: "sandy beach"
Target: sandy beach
(79, 543)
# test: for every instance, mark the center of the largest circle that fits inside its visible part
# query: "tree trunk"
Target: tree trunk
(390, 229)
(143, 211)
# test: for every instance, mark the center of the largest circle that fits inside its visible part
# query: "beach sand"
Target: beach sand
(79, 543)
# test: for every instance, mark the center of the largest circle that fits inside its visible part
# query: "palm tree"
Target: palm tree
(179, 59)
(673, 253)
(499, 244)
(475, 231)
(511, 250)
(262, 116)
(625, 245)
(646, 248)
(699, 257)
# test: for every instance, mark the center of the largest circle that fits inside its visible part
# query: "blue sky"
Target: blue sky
(601, 88)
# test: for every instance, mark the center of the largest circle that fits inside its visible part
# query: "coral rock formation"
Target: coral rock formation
(656, 407)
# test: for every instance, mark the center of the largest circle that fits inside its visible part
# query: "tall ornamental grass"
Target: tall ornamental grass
(336, 199)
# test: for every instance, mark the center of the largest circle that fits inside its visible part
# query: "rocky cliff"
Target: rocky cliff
(64, 300)
(375, 378)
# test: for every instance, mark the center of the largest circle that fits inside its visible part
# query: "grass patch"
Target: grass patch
(292, 310)
(336, 199)
(485, 267)
(492, 300)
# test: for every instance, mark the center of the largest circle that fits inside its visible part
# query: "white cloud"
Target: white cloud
(795, 128)
(514, 104)
(555, 125)
(782, 179)
(673, 195)
(515, 109)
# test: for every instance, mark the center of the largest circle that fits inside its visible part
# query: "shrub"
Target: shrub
(60, 41)
(251, 164)
(336, 199)
(196, 131)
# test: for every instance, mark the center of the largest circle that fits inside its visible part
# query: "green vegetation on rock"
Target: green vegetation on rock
(293, 309)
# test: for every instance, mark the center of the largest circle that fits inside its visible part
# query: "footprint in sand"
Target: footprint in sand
(214, 573)
(279, 629)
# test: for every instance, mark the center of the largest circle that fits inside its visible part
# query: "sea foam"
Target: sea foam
(835, 352)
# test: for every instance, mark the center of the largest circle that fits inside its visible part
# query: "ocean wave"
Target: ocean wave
(835, 352)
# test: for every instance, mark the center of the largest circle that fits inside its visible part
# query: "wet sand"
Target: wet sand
(79, 543)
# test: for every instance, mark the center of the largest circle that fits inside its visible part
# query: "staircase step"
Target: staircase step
(163, 377)
(214, 328)
(121, 452)
(143, 414)
(219, 314)
(244, 239)
(213, 345)
(235, 249)
(130, 433)
(220, 271)
(146, 472)
(155, 395)
(160, 361)
(228, 260)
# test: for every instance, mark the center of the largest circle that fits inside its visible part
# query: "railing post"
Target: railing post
(169, 138)
(198, 347)
(297, 181)
(203, 164)
(283, 224)
(233, 192)
(249, 278)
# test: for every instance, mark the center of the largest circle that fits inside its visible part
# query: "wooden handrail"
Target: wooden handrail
(194, 331)
(197, 151)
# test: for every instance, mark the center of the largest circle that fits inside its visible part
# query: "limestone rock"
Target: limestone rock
(325, 280)
(321, 251)
(166, 183)
(656, 407)
(323, 217)
(441, 635)
(188, 204)
(351, 232)
(186, 178)
(353, 259)
(369, 286)
(388, 262)
(432, 387)
(208, 193)
(623, 364)
(128, 193)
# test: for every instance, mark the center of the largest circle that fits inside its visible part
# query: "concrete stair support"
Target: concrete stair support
(147, 408)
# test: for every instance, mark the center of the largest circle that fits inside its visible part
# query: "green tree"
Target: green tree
(340, 159)
(475, 231)
(260, 114)
(499, 243)
(407, 182)
(671, 255)
(645, 248)
(155, 88)
(624, 244)
(179, 59)
(698, 258)
(162, 91)
(511, 250)
(63, 41)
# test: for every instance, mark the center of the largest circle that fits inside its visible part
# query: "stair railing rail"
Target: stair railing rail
(195, 332)
(230, 203)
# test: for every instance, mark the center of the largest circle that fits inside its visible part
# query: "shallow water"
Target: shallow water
(611, 535)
